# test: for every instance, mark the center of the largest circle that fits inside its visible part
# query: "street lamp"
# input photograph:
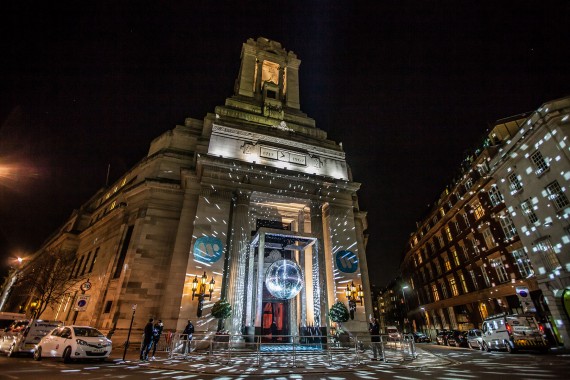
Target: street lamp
(404, 301)
(353, 294)
(199, 289)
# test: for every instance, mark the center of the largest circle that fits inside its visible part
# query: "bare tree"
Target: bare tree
(48, 278)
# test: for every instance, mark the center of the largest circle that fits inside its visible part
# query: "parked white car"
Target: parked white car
(74, 342)
(22, 336)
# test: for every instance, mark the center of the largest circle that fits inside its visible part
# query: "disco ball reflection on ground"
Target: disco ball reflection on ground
(284, 279)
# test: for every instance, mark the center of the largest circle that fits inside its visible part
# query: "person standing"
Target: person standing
(157, 332)
(187, 335)
(147, 339)
(374, 329)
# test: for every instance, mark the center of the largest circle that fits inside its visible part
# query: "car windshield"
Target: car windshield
(88, 332)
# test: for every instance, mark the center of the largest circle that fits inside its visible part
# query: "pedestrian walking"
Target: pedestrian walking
(187, 333)
(157, 332)
(374, 329)
(147, 339)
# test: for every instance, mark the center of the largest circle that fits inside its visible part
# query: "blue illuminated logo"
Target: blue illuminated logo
(346, 261)
(208, 249)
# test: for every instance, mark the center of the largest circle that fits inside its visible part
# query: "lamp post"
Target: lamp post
(129, 334)
(353, 295)
(199, 289)
(405, 302)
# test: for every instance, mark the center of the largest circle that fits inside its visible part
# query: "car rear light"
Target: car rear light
(509, 328)
(541, 327)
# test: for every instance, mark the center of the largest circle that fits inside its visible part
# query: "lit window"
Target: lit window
(547, 254)
(557, 196)
(446, 263)
(478, 210)
(508, 226)
(539, 162)
(420, 259)
(495, 196)
(442, 212)
(435, 292)
(523, 262)
(500, 269)
(468, 184)
(457, 228)
(463, 283)
(515, 183)
(453, 286)
(455, 256)
(489, 240)
(528, 211)
(448, 233)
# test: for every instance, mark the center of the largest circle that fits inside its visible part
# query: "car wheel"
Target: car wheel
(486, 347)
(480, 346)
(11, 351)
(510, 350)
(38, 354)
(67, 355)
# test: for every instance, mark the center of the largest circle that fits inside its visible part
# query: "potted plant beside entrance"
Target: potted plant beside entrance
(338, 313)
(222, 310)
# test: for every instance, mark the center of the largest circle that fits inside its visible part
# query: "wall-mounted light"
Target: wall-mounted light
(199, 288)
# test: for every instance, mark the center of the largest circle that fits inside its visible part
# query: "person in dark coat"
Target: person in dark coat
(374, 329)
(157, 332)
(187, 336)
(147, 339)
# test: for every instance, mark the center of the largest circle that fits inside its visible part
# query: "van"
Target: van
(6, 319)
(513, 332)
(22, 336)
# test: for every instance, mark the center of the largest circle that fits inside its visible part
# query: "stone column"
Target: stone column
(260, 274)
(238, 260)
(319, 275)
(359, 223)
(303, 294)
(251, 287)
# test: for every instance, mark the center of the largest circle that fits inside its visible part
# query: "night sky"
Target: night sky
(407, 87)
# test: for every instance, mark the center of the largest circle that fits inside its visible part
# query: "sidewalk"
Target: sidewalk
(276, 364)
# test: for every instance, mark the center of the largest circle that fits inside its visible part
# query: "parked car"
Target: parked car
(22, 336)
(441, 337)
(513, 332)
(456, 338)
(475, 339)
(420, 337)
(74, 342)
(393, 333)
(6, 319)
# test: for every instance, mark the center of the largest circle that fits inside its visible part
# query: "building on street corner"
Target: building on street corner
(497, 238)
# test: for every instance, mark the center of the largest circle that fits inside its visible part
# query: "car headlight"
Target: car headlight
(81, 342)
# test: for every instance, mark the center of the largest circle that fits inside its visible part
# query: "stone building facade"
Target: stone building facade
(497, 238)
(254, 199)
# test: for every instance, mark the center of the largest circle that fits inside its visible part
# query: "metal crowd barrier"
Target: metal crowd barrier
(290, 350)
